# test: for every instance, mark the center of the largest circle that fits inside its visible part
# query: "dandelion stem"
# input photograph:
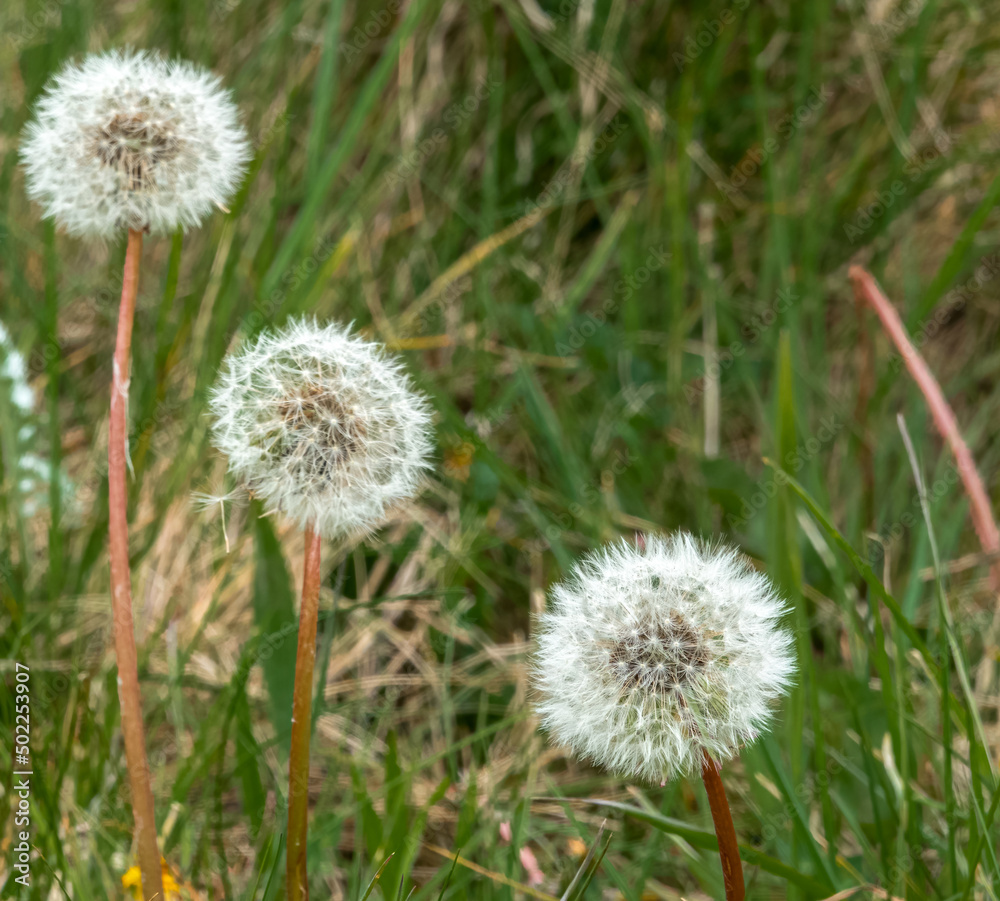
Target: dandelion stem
(298, 765)
(121, 586)
(729, 853)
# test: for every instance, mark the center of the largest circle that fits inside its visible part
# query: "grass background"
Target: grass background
(675, 308)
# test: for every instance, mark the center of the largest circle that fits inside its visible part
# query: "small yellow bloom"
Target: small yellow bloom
(457, 460)
(133, 880)
(576, 848)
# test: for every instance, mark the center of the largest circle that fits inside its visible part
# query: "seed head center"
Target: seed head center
(135, 145)
(663, 656)
(321, 429)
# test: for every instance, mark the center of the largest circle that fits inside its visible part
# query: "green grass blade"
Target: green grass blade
(274, 612)
(588, 867)
(705, 839)
(376, 878)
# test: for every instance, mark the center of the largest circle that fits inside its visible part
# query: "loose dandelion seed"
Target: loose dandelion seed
(326, 428)
(662, 661)
(203, 501)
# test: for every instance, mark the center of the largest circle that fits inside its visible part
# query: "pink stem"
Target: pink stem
(121, 586)
(979, 502)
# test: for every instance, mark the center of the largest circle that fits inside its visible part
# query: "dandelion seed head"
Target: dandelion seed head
(649, 657)
(323, 426)
(129, 140)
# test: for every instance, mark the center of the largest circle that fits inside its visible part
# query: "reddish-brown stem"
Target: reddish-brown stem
(979, 501)
(298, 764)
(729, 852)
(121, 586)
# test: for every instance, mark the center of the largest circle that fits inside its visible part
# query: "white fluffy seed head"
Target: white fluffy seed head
(132, 141)
(323, 426)
(649, 658)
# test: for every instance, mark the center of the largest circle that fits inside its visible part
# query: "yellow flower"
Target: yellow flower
(133, 880)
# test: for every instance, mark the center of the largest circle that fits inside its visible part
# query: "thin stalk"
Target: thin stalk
(980, 508)
(298, 763)
(121, 586)
(729, 852)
